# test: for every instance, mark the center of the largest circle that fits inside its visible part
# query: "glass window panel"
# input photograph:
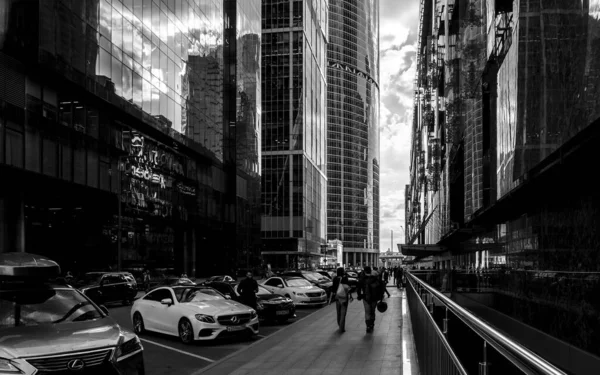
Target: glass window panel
(104, 176)
(105, 19)
(103, 66)
(78, 117)
(92, 122)
(137, 89)
(127, 84)
(65, 114)
(117, 76)
(92, 166)
(50, 158)
(117, 31)
(147, 53)
(155, 100)
(137, 44)
(146, 96)
(32, 148)
(14, 148)
(128, 37)
(164, 104)
(79, 165)
(66, 156)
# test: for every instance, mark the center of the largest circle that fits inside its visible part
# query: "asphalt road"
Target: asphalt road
(167, 355)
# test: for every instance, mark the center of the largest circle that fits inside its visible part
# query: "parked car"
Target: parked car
(53, 328)
(314, 278)
(110, 287)
(298, 289)
(328, 274)
(170, 281)
(192, 313)
(222, 278)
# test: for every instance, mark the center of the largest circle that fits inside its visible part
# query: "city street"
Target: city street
(167, 355)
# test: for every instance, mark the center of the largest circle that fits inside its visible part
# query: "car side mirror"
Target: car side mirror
(280, 285)
(104, 309)
(167, 301)
(228, 296)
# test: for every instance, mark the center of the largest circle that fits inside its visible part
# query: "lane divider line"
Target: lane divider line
(178, 351)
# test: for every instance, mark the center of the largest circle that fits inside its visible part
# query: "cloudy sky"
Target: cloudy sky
(397, 39)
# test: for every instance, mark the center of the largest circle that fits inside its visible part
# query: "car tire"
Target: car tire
(186, 331)
(138, 324)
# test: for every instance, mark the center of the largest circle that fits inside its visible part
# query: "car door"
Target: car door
(108, 287)
(154, 311)
(166, 315)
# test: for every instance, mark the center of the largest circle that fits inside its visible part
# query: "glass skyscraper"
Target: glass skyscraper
(293, 131)
(353, 129)
(130, 131)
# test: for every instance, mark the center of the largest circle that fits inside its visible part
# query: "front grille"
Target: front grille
(105, 369)
(228, 320)
(60, 362)
(313, 294)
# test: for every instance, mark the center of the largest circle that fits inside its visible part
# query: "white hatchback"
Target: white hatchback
(192, 313)
(301, 291)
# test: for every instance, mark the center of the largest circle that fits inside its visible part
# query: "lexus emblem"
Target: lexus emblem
(234, 319)
(75, 365)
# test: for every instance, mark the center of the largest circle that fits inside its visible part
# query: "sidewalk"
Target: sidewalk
(313, 345)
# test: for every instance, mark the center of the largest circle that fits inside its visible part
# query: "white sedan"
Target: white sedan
(192, 313)
(301, 291)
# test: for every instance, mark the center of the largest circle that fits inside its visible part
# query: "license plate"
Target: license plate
(235, 328)
(282, 312)
(315, 299)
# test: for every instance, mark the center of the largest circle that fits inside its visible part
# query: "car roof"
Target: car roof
(290, 277)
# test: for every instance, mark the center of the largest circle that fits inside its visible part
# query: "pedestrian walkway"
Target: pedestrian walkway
(314, 345)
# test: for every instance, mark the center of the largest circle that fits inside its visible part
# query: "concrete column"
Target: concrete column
(354, 259)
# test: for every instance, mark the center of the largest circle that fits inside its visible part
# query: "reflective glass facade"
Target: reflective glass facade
(155, 101)
(353, 127)
(293, 133)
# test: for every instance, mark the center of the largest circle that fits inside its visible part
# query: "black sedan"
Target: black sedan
(270, 306)
(110, 287)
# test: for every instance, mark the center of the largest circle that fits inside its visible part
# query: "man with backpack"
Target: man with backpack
(370, 291)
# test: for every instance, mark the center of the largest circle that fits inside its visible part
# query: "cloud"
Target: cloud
(398, 38)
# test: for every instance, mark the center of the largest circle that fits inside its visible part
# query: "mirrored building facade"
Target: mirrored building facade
(353, 129)
(142, 115)
(294, 158)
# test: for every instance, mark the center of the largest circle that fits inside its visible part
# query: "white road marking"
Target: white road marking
(178, 351)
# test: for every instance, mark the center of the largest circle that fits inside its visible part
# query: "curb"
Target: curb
(316, 314)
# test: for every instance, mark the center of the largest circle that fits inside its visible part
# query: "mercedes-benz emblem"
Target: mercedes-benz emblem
(75, 364)
(234, 319)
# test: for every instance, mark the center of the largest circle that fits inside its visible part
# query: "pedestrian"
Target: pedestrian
(370, 292)
(384, 284)
(343, 297)
(247, 290)
(386, 276)
(399, 278)
(146, 281)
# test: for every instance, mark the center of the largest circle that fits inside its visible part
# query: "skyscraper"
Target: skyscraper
(130, 133)
(353, 129)
(294, 130)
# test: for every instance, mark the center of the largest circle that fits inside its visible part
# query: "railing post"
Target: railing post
(484, 367)
(446, 324)
(431, 304)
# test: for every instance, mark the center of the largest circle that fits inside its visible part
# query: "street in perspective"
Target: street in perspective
(297, 187)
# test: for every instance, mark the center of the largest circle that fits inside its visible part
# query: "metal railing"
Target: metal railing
(504, 349)
(433, 350)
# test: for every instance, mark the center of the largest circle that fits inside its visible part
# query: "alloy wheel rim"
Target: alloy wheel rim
(138, 324)
(184, 331)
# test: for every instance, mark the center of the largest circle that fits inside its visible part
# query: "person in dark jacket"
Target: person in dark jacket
(368, 296)
(247, 290)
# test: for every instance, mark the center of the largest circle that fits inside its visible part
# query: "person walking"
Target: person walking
(400, 277)
(343, 296)
(147, 281)
(247, 290)
(369, 290)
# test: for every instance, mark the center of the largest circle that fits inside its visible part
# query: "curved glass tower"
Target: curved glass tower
(353, 129)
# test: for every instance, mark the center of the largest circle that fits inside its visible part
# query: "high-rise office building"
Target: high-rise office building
(293, 134)
(353, 129)
(129, 132)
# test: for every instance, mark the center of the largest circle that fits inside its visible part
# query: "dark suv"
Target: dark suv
(110, 287)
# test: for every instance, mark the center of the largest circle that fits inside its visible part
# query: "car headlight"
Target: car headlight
(205, 318)
(7, 367)
(252, 314)
(301, 294)
(128, 345)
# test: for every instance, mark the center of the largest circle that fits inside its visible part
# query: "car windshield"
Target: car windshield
(44, 306)
(312, 276)
(202, 295)
(297, 282)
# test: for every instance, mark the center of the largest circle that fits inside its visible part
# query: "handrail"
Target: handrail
(520, 356)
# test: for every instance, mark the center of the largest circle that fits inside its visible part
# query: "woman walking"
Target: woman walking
(343, 297)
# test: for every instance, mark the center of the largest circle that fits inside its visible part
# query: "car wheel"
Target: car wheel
(186, 332)
(138, 323)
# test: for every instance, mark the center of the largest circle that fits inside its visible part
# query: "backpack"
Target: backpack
(374, 289)
(341, 292)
